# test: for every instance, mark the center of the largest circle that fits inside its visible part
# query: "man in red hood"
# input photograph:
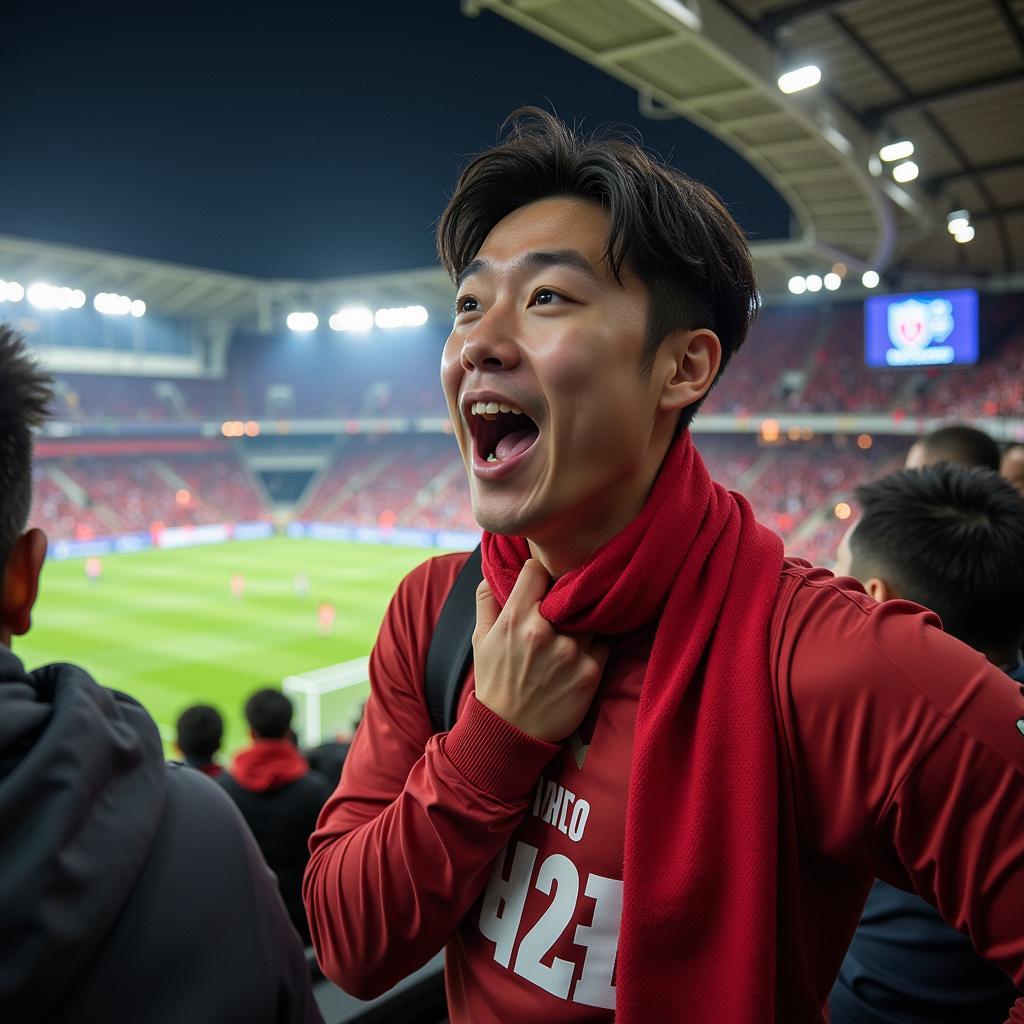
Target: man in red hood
(278, 796)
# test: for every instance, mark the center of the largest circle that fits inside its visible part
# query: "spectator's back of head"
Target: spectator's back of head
(25, 395)
(1012, 466)
(200, 730)
(950, 538)
(269, 714)
(957, 443)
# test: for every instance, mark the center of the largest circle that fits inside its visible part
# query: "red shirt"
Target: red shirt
(900, 758)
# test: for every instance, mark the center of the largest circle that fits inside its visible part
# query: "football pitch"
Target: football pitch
(165, 627)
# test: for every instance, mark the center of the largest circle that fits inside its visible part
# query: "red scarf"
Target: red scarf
(698, 934)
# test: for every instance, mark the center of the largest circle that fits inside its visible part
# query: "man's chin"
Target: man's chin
(507, 522)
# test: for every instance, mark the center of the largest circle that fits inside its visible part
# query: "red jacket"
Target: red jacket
(901, 759)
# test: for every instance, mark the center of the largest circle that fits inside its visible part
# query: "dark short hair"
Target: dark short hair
(200, 729)
(950, 538)
(965, 445)
(25, 396)
(269, 714)
(674, 233)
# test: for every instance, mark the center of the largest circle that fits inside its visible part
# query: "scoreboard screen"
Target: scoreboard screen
(921, 329)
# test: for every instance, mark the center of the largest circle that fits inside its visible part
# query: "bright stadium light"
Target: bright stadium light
(965, 235)
(77, 298)
(901, 150)
(870, 279)
(957, 220)
(355, 319)
(906, 171)
(11, 291)
(112, 304)
(798, 285)
(302, 322)
(813, 283)
(400, 316)
(43, 296)
(832, 281)
(800, 78)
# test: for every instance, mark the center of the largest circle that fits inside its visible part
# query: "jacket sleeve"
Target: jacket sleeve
(403, 847)
(911, 762)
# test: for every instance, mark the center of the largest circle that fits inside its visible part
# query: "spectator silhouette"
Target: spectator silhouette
(278, 795)
(131, 889)
(200, 729)
(950, 538)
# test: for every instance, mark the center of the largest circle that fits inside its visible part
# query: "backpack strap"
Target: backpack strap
(451, 647)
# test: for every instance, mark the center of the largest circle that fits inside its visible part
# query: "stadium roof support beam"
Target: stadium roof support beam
(774, 20)
(877, 115)
(1013, 28)
(941, 180)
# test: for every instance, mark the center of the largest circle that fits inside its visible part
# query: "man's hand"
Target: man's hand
(537, 679)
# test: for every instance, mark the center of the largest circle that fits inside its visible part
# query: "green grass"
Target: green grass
(162, 625)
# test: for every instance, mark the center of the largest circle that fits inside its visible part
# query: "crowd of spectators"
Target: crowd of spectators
(799, 359)
(93, 496)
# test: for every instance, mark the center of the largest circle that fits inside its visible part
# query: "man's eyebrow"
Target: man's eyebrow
(536, 260)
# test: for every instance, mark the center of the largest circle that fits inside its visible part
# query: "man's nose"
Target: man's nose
(492, 342)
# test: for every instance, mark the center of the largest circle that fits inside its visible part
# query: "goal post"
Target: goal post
(326, 698)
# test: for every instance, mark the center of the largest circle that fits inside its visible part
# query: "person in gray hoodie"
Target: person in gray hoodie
(130, 889)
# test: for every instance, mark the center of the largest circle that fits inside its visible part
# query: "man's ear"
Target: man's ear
(880, 590)
(21, 584)
(689, 362)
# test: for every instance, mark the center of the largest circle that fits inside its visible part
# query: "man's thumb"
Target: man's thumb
(487, 609)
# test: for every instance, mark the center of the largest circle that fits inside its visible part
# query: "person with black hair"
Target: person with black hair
(950, 538)
(131, 889)
(271, 783)
(673, 772)
(957, 443)
(199, 732)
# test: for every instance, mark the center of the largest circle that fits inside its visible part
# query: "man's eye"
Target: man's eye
(545, 296)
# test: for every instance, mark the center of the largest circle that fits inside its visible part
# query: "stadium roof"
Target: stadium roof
(946, 74)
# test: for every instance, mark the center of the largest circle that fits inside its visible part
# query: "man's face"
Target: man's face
(543, 327)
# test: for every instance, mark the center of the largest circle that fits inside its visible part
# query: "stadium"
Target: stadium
(239, 468)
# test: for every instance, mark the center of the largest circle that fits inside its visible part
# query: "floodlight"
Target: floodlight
(965, 235)
(897, 151)
(42, 296)
(400, 316)
(800, 78)
(957, 220)
(832, 281)
(813, 283)
(906, 171)
(356, 319)
(870, 279)
(77, 298)
(797, 285)
(302, 322)
(137, 308)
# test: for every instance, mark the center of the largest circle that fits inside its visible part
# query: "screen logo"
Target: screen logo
(914, 326)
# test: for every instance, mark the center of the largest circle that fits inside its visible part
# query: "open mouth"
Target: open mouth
(501, 432)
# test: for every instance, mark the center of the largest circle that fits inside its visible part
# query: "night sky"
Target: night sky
(290, 139)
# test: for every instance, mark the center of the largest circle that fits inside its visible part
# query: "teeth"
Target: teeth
(493, 408)
(492, 457)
